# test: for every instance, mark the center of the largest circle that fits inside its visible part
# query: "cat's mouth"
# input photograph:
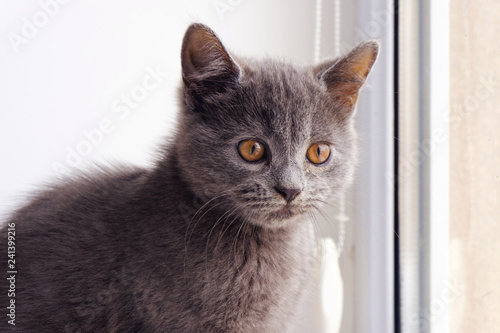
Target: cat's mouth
(285, 212)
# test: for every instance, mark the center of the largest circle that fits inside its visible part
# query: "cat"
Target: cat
(216, 236)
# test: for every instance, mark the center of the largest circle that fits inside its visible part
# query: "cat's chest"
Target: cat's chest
(257, 282)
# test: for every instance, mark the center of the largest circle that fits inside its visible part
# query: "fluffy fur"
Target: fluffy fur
(202, 242)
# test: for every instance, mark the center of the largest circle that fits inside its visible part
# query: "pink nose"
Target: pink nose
(288, 193)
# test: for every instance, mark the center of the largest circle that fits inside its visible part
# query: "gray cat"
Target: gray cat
(216, 237)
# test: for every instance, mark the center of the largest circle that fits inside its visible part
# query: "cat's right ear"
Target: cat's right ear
(206, 64)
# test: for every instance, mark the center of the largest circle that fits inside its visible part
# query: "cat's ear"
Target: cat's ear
(345, 76)
(206, 64)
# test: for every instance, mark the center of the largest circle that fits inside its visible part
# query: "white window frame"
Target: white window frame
(435, 187)
(374, 239)
(424, 147)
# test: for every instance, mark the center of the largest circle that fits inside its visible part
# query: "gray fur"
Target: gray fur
(201, 242)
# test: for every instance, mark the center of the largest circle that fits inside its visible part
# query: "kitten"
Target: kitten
(216, 237)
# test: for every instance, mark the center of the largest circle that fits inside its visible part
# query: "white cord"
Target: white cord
(336, 33)
(342, 218)
(317, 32)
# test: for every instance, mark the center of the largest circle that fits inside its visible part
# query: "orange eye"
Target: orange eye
(318, 153)
(251, 150)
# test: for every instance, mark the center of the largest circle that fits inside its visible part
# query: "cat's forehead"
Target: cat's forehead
(287, 100)
(281, 83)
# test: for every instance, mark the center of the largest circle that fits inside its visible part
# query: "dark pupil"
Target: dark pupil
(319, 151)
(253, 148)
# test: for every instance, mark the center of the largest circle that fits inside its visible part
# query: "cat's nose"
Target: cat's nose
(288, 193)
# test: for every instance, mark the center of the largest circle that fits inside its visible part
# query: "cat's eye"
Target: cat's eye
(251, 150)
(318, 153)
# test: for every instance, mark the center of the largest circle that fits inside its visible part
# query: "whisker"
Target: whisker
(227, 214)
(186, 238)
(319, 249)
(223, 231)
(234, 246)
(338, 233)
(198, 211)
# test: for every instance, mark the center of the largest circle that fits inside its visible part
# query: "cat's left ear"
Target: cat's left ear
(344, 77)
(206, 64)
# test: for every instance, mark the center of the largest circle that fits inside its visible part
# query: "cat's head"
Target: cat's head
(264, 139)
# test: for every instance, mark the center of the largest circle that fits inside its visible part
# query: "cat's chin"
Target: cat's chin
(284, 213)
(280, 218)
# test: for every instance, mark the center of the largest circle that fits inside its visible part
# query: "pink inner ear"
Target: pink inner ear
(203, 47)
(347, 76)
(196, 50)
(203, 56)
(345, 92)
(362, 65)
